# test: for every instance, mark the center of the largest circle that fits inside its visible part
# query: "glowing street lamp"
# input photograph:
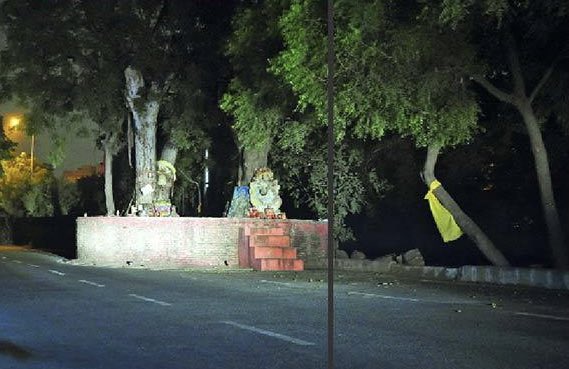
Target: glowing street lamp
(14, 122)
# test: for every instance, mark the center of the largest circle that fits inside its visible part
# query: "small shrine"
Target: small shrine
(162, 206)
(264, 195)
(260, 199)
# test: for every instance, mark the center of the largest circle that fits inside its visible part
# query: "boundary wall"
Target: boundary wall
(185, 242)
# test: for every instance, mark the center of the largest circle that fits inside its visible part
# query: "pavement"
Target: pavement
(529, 277)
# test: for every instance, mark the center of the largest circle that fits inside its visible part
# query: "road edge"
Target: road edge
(530, 277)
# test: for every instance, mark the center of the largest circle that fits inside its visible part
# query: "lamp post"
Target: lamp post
(32, 156)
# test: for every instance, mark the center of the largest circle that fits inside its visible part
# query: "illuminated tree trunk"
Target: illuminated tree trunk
(144, 106)
(253, 159)
(549, 207)
(166, 177)
(522, 101)
(468, 226)
(109, 198)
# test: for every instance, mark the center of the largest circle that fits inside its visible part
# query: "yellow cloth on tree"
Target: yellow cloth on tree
(446, 224)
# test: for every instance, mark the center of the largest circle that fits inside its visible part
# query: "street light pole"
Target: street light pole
(330, 161)
(32, 156)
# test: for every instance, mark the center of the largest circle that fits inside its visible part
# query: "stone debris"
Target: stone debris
(358, 255)
(414, 258)
(341, 254)
(387, 258)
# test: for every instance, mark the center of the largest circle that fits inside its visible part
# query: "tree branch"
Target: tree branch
(515, 66)
(543, 80)
(499, 94)
(428, 173)
(159, 16)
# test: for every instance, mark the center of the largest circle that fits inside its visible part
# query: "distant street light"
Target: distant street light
(14, 122)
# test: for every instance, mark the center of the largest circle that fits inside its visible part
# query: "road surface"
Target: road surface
(54, 314)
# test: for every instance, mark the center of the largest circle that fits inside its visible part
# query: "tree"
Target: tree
(521, 47)
(97, 57)
(6, 145)
(57, 74)
(268, 123)
(392, 75)
(255, 98)
(23, 193)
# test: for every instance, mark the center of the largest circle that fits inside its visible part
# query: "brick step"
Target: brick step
(274, 231)
(278, 264)
(272, 252)
(269, 241)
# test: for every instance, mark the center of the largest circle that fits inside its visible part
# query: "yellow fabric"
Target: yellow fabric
(446, 224)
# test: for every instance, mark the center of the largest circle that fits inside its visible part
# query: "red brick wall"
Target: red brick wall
(180, 242)
(310, 238)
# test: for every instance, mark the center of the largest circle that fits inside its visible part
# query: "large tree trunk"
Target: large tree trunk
(556, 239)
(169, 152)
(523, 102)
(166, 174)
(467, 225)
(253, 159)
(109, 198)
(145, 114)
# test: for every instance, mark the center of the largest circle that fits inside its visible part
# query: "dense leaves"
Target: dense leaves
(23, 192)
(391, 74)
(257, 101)
(408, 69)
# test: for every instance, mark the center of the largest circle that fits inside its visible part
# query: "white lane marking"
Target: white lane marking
(56, 272)
(283, 337)
(17, 261)
(383, 296)
(388, 297)
(3, 257)
(281, 283)
(91, 283)
(150, 300)
(544, 316)
(34, 265)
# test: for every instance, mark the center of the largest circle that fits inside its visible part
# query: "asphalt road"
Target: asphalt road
(58, 315)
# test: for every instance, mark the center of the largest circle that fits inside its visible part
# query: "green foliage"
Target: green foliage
(74, 66)
(391, 75)
(69, 196)
(302, 63)
(57, 154)
(293, 136)
(255, 99)
(254, 123)
(303, 174)
(6, 145)
(23, 193)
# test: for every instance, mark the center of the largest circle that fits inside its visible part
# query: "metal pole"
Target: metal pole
(32, 156)
(331, 140)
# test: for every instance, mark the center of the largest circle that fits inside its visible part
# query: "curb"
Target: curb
(543, 278)
(426, 272)
(350, 265)
(529, 277)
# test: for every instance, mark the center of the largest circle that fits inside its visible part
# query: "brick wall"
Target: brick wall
(180, 242)
(310, 238)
